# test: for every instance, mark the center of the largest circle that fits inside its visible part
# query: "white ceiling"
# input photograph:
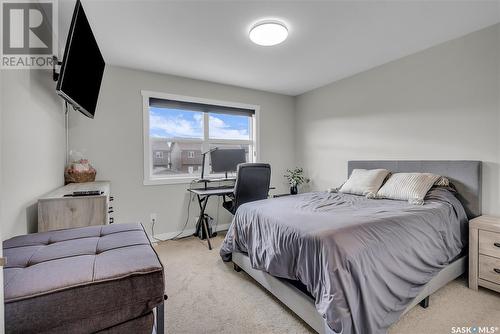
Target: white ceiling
(328, 40)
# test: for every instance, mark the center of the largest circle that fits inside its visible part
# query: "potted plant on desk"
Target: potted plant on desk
(295, 178)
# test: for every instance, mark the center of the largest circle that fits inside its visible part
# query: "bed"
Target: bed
(347, 264)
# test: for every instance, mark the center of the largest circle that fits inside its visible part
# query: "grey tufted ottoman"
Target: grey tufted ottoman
(83, 280)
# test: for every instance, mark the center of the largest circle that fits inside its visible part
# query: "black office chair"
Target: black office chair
(252, 184)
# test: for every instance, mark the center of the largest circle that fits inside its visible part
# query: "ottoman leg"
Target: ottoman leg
(160, 319)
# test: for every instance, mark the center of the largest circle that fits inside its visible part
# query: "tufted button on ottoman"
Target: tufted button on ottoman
(84, 280)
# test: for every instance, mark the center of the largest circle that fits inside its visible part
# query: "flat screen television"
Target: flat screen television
(82, 66)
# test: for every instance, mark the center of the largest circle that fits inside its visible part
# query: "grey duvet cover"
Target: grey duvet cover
(363, 260)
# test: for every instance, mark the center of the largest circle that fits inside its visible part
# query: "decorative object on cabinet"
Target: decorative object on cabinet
(79, 170)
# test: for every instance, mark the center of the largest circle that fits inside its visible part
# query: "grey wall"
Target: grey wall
(32, 146)
(113, 142)
(441, 103)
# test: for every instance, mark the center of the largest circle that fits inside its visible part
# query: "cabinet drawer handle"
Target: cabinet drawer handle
(496, 270)
(496, 244)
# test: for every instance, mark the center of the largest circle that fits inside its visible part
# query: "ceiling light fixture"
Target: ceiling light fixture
(268, 33)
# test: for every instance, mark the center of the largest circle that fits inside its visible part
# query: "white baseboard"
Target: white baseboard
(187, 232)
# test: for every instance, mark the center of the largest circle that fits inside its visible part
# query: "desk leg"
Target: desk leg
(206, 233)
(198, 223)
(202, 222)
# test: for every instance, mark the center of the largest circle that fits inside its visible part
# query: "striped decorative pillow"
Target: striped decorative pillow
(408, 186)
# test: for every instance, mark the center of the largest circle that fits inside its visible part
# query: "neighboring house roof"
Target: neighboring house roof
(161, 144)
(185, 146)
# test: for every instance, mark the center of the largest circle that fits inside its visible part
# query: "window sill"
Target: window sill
(172, 180)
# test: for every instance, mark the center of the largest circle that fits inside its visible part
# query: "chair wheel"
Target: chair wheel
(236, 267)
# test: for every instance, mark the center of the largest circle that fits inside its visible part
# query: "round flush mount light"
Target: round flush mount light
(268, 33)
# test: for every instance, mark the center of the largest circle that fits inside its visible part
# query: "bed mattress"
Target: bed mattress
(362, 260)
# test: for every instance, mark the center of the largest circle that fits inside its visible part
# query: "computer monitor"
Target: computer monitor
(227, 160)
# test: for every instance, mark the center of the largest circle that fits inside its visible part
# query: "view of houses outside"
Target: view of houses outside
(177, 139)
(175, 156)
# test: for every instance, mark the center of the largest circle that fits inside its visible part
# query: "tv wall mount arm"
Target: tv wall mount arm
(56, 66)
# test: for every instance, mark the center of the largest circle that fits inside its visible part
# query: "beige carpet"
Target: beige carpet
(207, 296)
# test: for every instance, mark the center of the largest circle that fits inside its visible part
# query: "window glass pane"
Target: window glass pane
(171, 157)
(178, 135)
(223, 126)
(174, 123)
(248, 151)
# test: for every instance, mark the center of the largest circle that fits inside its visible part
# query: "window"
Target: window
(179, 129)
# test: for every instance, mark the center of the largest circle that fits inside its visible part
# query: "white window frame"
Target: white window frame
(149, 178)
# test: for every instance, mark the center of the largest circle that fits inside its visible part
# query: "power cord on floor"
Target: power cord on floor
(187, 215)
(176, 237)
(153, 221)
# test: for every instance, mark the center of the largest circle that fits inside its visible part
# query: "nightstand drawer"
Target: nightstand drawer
(489, 243)
(489, 268)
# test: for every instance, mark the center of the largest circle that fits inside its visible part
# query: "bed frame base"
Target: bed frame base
(303, 305)
(425, 302)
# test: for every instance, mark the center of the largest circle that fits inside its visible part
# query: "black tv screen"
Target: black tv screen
(82, 66)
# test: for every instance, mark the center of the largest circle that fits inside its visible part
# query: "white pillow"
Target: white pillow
(364, 182)
(408, 186)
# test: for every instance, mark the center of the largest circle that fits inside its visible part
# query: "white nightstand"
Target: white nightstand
(484, 252)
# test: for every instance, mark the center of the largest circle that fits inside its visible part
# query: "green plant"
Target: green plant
(296, 177)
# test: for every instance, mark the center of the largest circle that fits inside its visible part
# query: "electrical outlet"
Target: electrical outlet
(154, 217)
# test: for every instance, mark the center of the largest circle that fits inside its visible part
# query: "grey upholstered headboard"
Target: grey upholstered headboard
(466, 176)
